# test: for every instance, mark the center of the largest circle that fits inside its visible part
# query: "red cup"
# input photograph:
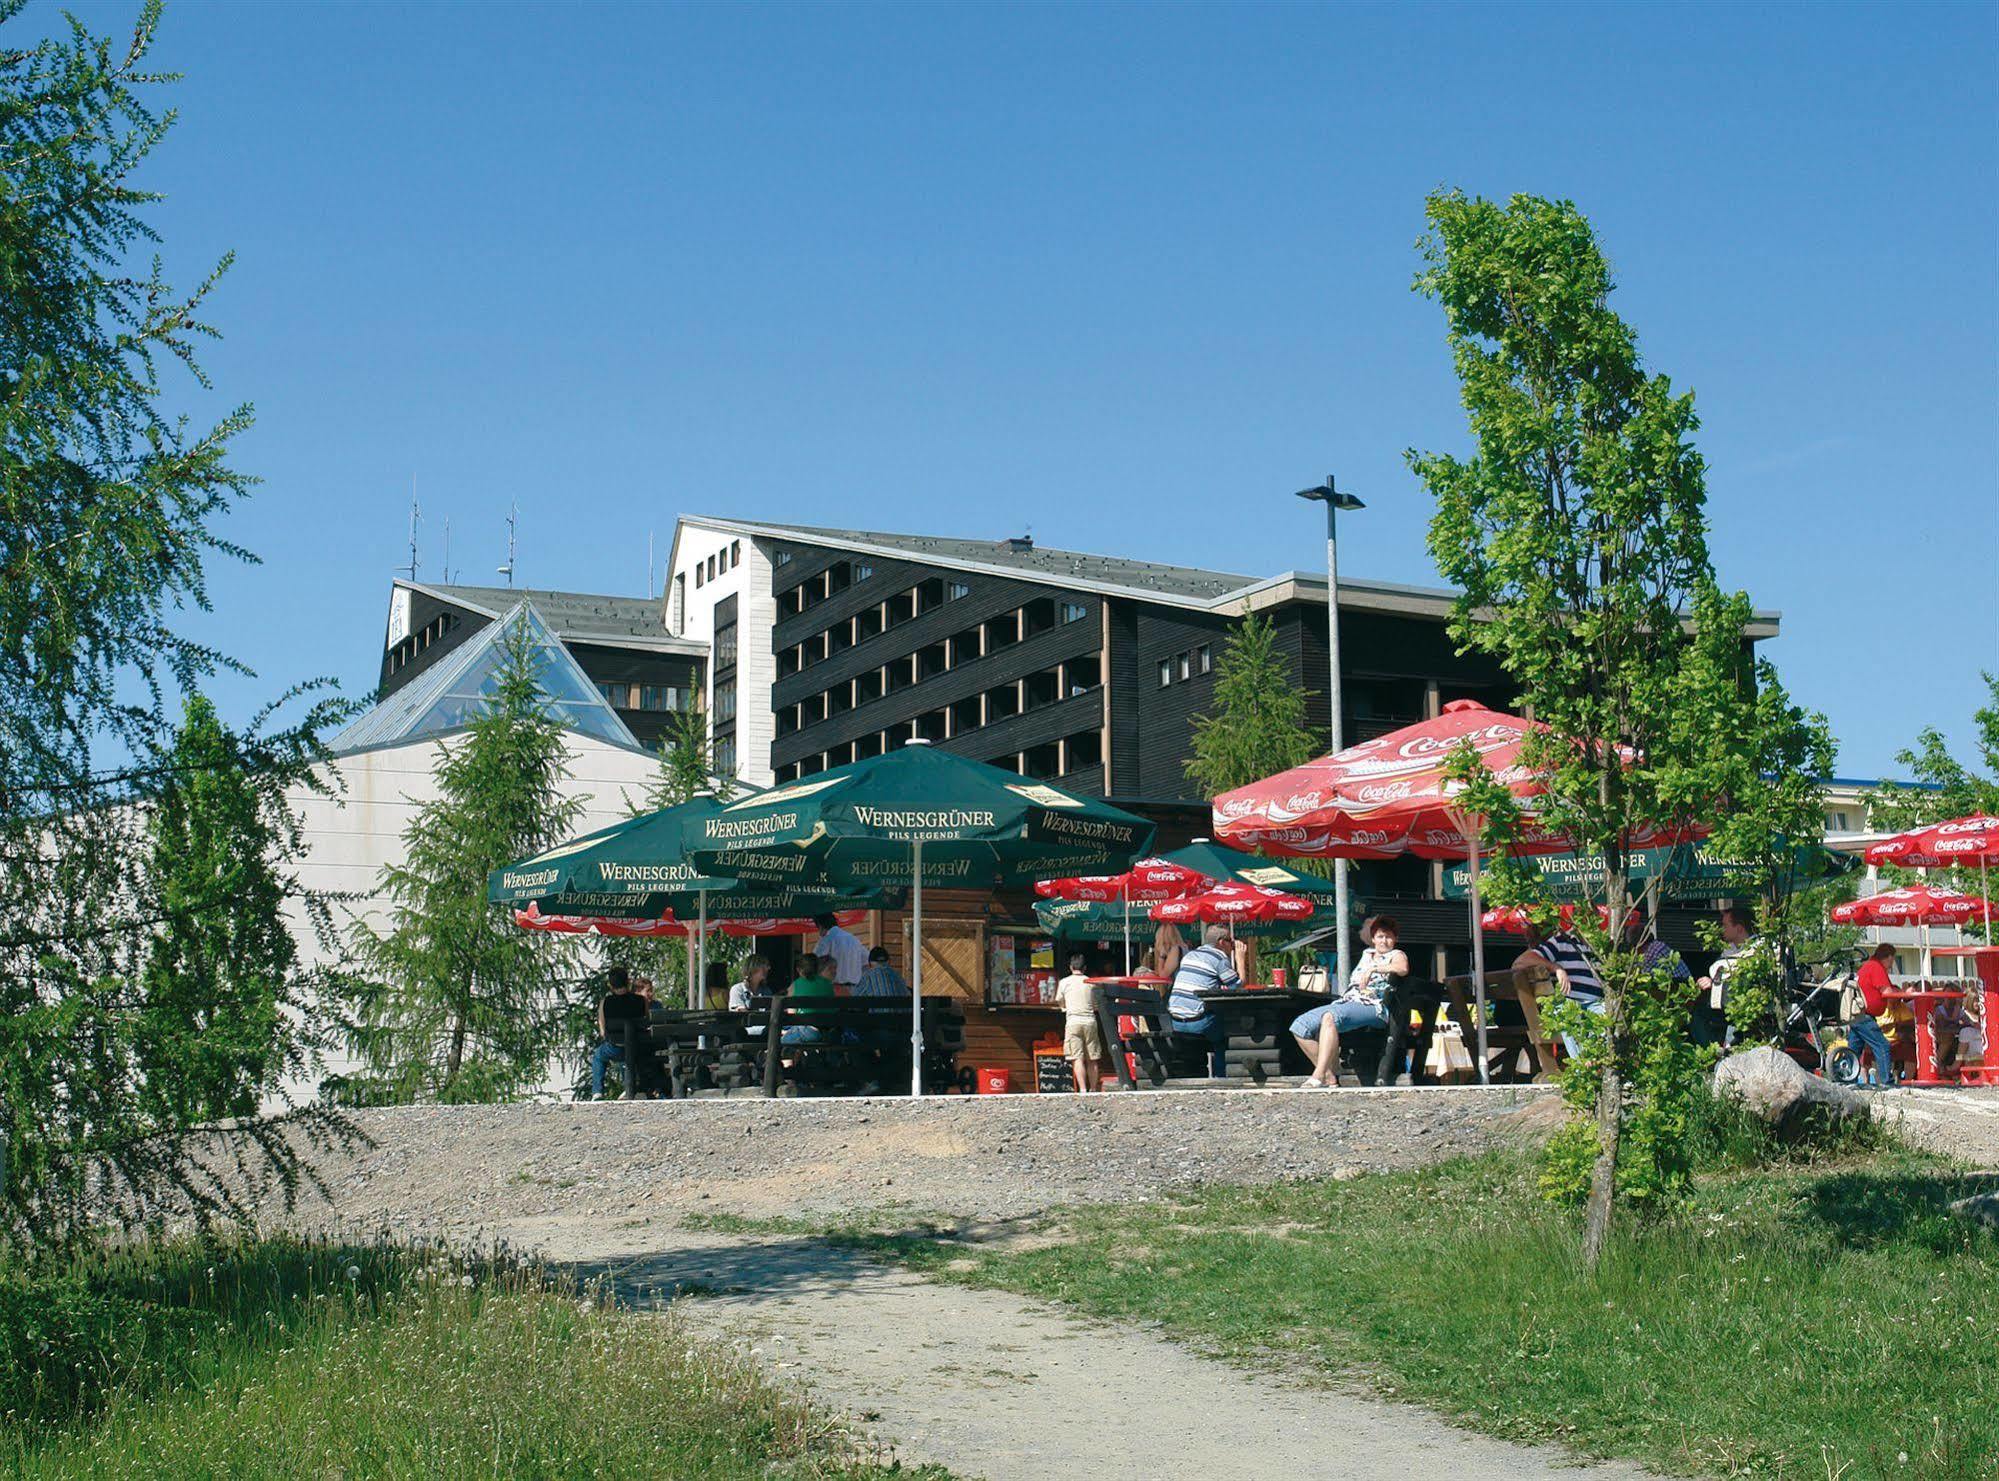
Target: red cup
(1280, 977)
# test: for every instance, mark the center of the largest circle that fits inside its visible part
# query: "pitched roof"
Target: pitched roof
(1019, 557)
(450, 694)
(1180, 586)
(574, 616)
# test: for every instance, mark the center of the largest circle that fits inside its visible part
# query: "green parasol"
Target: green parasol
(914, 816)
(638, 870)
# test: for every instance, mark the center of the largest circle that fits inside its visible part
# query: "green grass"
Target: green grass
(1824, 1320)
(284, 1358)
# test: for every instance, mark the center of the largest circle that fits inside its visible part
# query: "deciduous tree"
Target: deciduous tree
(1577, 533)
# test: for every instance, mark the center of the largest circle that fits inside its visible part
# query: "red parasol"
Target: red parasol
(1390, 796)
(1243, 904)
(1146, 881)
(1916, 905)
(1966, 841)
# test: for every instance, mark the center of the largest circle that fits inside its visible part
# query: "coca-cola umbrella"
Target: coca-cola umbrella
(1390, 796)
(1921, 905)
(1960, 842)
(1146, 882)
(1236, 905)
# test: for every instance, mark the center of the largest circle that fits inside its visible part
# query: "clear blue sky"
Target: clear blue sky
(1123, 276)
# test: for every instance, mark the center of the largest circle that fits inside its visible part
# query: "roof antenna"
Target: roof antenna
(513, 514)
(447, 550)
(411, 568)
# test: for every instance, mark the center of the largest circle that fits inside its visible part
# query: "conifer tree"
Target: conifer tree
(454, 1001)
(1257, 725)
(108, 512)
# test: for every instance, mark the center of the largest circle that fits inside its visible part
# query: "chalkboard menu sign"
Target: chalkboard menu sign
(1051, 1074)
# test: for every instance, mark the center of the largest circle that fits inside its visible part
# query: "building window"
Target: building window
(735, 553)
(956, 590)
(658, 696)
(1085, 749)
(1074, 611)
(1165, 672)
(782, 558)
(725, 646)
(725, 756)
(700, 575)
(1203, 660)
(1186, 665)
(863, 571)
(725, 700)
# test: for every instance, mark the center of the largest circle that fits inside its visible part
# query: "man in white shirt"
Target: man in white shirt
(842, 949)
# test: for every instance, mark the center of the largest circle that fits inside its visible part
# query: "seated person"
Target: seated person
(1951, 1023)
(756, 971)
(619, 1005)
(1361, 1006)
(1557, 963)
(880, 980)
(1209, 967)
(810, 983)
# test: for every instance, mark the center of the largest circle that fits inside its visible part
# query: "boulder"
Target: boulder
(1980, 1208)
(1778, 1090)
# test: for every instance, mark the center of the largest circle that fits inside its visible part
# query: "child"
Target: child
(1082, 1040)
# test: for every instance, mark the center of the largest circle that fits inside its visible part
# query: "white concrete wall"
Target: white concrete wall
(695, 597)
(351, 836)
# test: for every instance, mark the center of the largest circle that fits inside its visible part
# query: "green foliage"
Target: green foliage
(454, 1002)
(686, 764)
(1577, 535)
(107, 515)
(212, 1030)
(1948, 787)
(1257, 725)
(290, 1357)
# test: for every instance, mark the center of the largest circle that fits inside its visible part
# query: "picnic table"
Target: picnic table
(855, 1045)
(672, 1048)
(1506, 1044)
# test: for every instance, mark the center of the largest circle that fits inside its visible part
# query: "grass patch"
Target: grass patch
(1815, 1318)
(285, 1358)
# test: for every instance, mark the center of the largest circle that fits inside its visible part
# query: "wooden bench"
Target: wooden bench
(1508, 1045)
(857, 1043)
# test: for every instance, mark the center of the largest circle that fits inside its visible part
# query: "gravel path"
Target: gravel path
(464, 1170)
(997, 1386)
(1958, 1123)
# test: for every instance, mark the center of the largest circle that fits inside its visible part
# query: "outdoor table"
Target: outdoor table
(1984, 961)
(1922, 1002)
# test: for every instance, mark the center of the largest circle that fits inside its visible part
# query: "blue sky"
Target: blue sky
(1122, 276)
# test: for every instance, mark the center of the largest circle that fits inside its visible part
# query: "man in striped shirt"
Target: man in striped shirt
(1557, 963)
(1209, 967)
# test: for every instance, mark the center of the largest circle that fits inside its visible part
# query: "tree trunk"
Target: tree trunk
(1610, 1090)
(455, 1055)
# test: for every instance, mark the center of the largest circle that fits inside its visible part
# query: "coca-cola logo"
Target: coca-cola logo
(1384, 792)
(1966, 825)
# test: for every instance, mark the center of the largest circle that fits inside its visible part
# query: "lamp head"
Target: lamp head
(1326, 493)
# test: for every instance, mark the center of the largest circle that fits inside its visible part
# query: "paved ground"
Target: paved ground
(1958, 1123)
(1001, 1387)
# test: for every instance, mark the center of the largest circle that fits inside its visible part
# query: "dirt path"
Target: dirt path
(1958, 1123)
(997, 1386)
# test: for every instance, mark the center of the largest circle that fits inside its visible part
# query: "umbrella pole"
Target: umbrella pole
(1478, 967)
(916, 971)
(1127, 930)
(701, 970)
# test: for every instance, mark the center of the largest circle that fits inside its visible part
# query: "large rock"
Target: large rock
(1780, 1091)
(1980, 1208)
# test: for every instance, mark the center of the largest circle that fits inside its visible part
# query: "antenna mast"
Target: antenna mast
(414, 516)
(447, 550)
(513, 516)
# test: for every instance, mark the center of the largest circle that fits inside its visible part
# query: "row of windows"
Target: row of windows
(725, 700)
(716, 564)
(841, 575)
(725, 646)
(1193, 661)
(405, 651)
(995, 633)
(1015, 697)
(1045, 762)
(657, 697)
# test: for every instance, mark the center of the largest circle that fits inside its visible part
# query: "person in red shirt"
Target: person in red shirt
(1864, 1034)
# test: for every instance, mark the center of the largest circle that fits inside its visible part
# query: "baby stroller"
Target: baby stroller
(1812, 1021)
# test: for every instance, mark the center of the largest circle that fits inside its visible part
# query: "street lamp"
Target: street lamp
(1328, 493)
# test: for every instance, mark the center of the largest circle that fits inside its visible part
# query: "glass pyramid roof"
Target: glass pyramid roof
(452, 694)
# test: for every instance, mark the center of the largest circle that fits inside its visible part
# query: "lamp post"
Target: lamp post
(1328, 493)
